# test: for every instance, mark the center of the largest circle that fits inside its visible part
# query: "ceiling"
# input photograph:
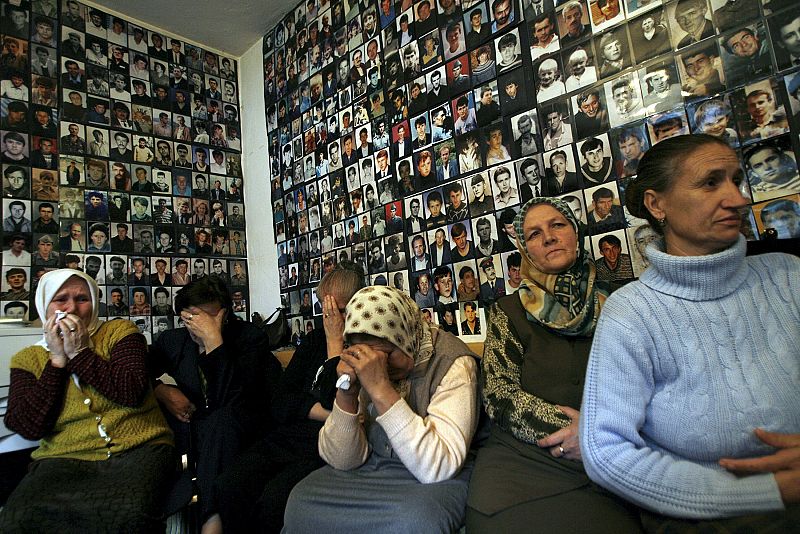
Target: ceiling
(231, 27)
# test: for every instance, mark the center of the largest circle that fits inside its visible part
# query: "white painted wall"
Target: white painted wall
(262, 257)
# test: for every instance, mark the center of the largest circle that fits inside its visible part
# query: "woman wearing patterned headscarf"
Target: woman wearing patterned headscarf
(396, 441)
(530, 471)
(105, 451)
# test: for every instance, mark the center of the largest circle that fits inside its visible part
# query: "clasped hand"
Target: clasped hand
(367, 368)
(784, 463)
(65, 338)
(564, 443)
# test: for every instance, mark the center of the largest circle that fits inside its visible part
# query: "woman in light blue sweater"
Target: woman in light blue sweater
(691, 408)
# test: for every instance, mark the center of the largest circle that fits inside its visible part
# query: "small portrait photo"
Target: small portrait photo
(482, 64)
(530, 171)
(639, 237)
(635, 7)
(575, 203)
(396, 256)
(549, 79)
(467, 281)
(453, 37)
(604, 207)
(701, 72)
(405, 27)
(760, 111)
(498, 144)
(16, 146)
(16, 181)
(436, 91)
(785, 32)
(665, 125)
(410, 57)
(714, 117)
(16, 283)
(431, 49)
(772, 169)
(690, 21)
(596, 160)
(512, 88)
(579, 66)
(486, 240)
(488, 103)
(461, 237)
(625, 97)
(442, 126)
(613, 52)
(557, 125)
(425, 18)
(661, 87)
(649, 35)
(471, 318)
(464, 112)
(70, 203)
(780, 215)
(470, 153)
(504, 184)
(524, 129)
(605, 13)
(508, 51)
(561, 173)
(746, 54)
(71, 171)
(629, 144)
(490, 271)
(792, 82)
(44, 184)
(458, 75)
(543, 37)
(573, 22)
(611, 256)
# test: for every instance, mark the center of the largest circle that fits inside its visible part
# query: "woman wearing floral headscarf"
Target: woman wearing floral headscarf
(397, 440)
(105, 451)
(530, 471)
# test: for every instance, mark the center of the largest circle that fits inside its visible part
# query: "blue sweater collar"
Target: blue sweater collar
(696, 278)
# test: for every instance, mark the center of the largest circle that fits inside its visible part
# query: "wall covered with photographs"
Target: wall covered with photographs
(121, 156)
(405, 135)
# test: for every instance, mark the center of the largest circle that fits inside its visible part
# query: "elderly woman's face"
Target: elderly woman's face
(550, 239)
(398, 364)
(702, 206)
(72, 297)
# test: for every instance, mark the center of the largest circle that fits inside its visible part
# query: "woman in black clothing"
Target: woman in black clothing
(252, 494)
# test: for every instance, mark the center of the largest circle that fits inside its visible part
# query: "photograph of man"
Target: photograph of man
(435, 214)
(625, 94)
(746, 54)
(482, 64)
(765, 116)
(793, 88)
(785, 31)
(573, 21)
(471, 325)
(556, 132)
(661, 88)
(772, 169)
(456, 202)
(458, 79)
(424, 295)
(15, 181)
(16, 310)
(544, 39)
(783, 216)
(140, 300)
(612, 52)
(713, 117)
(468, 285)
(17, 253)
(15, 220)
(549, 80)
(466, 120)
(72, 239)
(414, 221)
(441, 124)
(477, 23)
(508, 51)
(15, 286)
(611, 262)
(665, 125)
(504, 182)
(377, 259)
(580, 67)
(596, 163)
(15, 148)
(649, 35)
(486, 244)
(629, 145)
(560, 176)
(701, 70)
(44, 255)
(492, 287)
(463, 249)
(409, 55)
(524, 130)
(443, 283)
(420, 259)
(692, 17)
(605, 215)
(640, 237)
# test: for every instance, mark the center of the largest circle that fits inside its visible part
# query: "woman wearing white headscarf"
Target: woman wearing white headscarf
(105, 450)
(403, 468)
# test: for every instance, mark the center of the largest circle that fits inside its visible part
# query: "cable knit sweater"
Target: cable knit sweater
(686, 363)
